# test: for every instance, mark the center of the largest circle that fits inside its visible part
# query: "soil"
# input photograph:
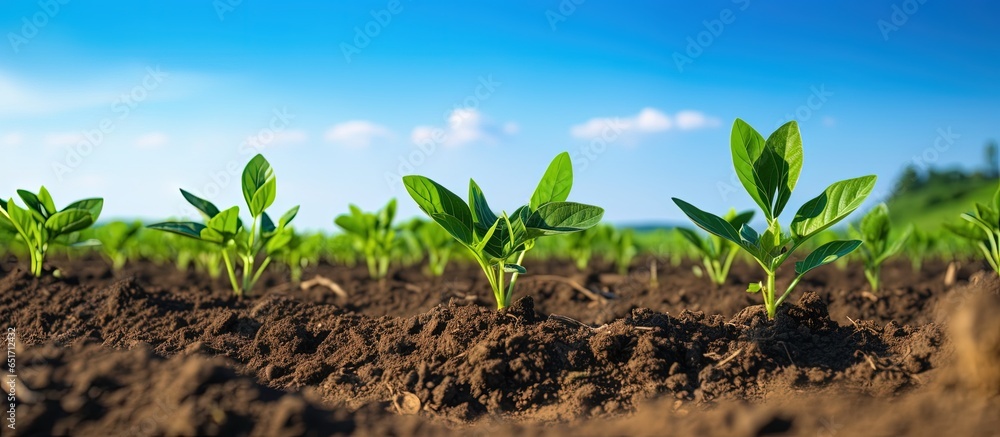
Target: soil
(155, 351)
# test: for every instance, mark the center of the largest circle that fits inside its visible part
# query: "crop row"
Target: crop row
(549, 225)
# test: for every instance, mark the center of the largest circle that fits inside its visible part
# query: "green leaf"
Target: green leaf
(86, 243)
(711, 223)
(256, 174)
(443, 206)
(747, 146)
(755, 287)
(838, 201)
(555, 218)
(351, 224)
(34, 205)
(187, 229)
(514, 268)
(267, 226)
(696, 241)
(482, 216)
(826, 254)
(781, 164)
(987, 214)
(46, 200)
(896, 246)
(738, 220)
(94, 206)
(556, 183)
(286, 219)
(207, 209)
(264, 197)
(875, 226)
(223, 227)
(20, 219)
(279, 241)
(64, 222)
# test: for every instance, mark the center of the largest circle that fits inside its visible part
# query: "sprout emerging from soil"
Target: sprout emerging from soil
(769, 170)
(983, 230)
(373, 235)
(718, 253)
(876, 231)
(41, 225)
(224, 230)
(499, 243)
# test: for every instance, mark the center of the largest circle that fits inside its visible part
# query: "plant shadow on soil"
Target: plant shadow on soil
(156, 351)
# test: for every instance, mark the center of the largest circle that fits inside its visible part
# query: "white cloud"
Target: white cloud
(11, 139)
(152, 140)
(357, 133)
(465, 126)
(647, 121)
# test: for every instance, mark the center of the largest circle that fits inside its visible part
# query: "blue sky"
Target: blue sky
(133, 100)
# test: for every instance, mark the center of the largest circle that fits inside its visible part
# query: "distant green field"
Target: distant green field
(930, 206)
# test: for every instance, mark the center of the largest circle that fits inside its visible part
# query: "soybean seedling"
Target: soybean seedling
(717, 253)
(41, 225)
(373, 235)
(430, 238)
(225, 232)
(116, 242)
(769, 171)
(876, 231)
(499, 243)
(983, 230)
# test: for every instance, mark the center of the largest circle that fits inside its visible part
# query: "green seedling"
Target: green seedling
(982, 228)
(499, 243)
(876, 231)
(580, 247)
(623, 248)
(225, 232)
(373, 235)
(718, 253)
(918, 247)
(117, 240)
(433, 240)
(40, 225)
(302, 251)
(769, 171)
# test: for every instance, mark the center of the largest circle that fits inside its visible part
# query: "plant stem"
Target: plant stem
(503, 299)
(514, 276)
(232, 273)
(769, 303)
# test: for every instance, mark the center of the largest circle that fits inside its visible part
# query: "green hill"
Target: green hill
(936, 202)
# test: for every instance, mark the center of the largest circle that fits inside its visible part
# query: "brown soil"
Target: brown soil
(153, 351)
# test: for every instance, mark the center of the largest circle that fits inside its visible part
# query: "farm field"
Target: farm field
(173, 353)
(519, 218)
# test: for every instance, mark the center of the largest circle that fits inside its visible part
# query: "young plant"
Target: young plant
(499, 243)
(225, 232)
(373, 235)
(623, 248)
(41, 225)
(718, 253)
(983, 230)
(876, 231)
(116, 242)
(769, 170)
(580, 247)
(433, 240)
